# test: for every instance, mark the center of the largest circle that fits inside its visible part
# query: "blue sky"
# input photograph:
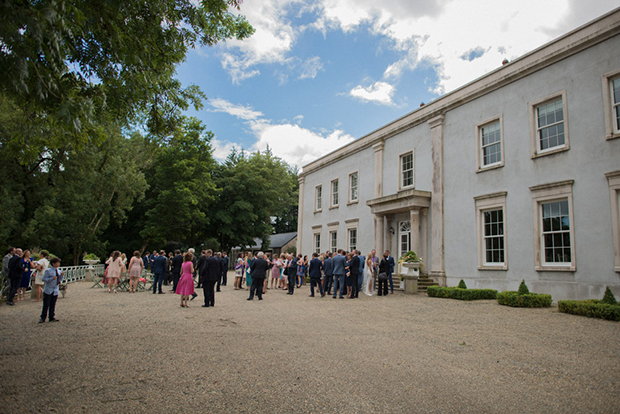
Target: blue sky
(318, 74)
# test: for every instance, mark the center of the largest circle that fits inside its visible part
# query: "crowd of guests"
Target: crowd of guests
(341, 274)
(18, 267)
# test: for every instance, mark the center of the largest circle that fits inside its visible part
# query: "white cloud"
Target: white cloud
(222, 149)
(239, 111)
(441, 31)
(379, 92)
(294, 144)
(311, 68)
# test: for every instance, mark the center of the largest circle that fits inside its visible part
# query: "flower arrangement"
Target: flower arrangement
(90, 256)
(410, 257)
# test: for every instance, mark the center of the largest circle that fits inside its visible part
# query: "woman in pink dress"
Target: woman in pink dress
(135, 270)
(185, 287)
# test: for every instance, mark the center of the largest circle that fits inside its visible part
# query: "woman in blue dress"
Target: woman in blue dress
(248, 278)
(24, 283)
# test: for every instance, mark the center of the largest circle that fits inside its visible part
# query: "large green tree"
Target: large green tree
(61, 196)
(181, 188)
(254, 189)
(72, 59)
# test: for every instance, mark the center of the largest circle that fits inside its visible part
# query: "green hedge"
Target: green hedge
(591, 308)
(529, 300)
(460, 294)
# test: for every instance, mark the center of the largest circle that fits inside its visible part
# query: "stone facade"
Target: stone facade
(513, 176)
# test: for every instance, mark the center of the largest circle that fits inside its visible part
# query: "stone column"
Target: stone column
(423, 237)
(415, 230)
(378, 147)
(300, 215)
(379, 233)
(388, 235)
(438, 271)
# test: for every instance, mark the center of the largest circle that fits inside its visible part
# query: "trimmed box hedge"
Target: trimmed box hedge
(460, 294)
(528, 300)
(592, 308)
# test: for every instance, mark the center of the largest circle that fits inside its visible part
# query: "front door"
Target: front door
(404, 237)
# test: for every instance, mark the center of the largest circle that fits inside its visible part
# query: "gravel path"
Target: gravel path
(142, 353)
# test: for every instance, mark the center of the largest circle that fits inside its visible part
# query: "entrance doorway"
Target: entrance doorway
(404, 237)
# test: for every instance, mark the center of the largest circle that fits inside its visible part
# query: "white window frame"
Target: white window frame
(534, 140)
(484, 203)
(318, 198)
(334, 198)
(613, 179)
(352, 225)
(353, 200)
(401, 171)
(479, 147)
(547, 193)
(333, 241)
(611, 128)
(316, 241)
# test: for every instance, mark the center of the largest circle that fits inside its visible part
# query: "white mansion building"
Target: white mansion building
(513, 176)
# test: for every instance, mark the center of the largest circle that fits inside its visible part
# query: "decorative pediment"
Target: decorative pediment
(405, 200)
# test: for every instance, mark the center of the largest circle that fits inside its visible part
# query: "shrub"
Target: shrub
(609, 297)
(529, 300)
(590, 308)
(460, 294)
(523, 290)
(462, 285)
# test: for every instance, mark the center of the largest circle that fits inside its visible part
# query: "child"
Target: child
(51, 279)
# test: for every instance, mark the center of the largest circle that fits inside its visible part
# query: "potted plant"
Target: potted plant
(410, 264)
(91, 259)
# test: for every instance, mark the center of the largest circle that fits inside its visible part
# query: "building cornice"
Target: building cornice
(592, 33)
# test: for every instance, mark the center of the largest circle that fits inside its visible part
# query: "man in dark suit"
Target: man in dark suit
(218, 256)
(210, 273)
(314, 271)
(291, 273)
(328, 270)
(16, 271)
(354, 268)
(224, 268)
(200, 267)
(177, 262)
(158, 267)
(390, 260)
(258, 272)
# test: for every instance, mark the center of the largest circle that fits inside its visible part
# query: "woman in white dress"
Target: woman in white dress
(369, 277)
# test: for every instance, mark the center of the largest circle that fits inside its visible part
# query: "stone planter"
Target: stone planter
(91, 269)
(410, 274)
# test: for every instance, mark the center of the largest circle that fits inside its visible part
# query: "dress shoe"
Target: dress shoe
(311, 296)
(205, 306)
(260, 298)
(162, 293)
(41, 320)
(10, 303)
(249, 299)
(193, 296)
(53, 320)
(218, 290)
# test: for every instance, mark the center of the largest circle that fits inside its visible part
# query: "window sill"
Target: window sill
(493, 267)
(490, 167)
(556, 268)
(613, 136)
(550, 152)
(318, 211)
(334, 207)
(352, 202)
(617, 269)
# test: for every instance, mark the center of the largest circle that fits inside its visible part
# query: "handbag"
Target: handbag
(383, 276)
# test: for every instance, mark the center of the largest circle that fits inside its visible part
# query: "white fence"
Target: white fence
(77, 273)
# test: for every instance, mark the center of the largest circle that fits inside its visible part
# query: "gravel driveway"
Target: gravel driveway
(143, 353)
